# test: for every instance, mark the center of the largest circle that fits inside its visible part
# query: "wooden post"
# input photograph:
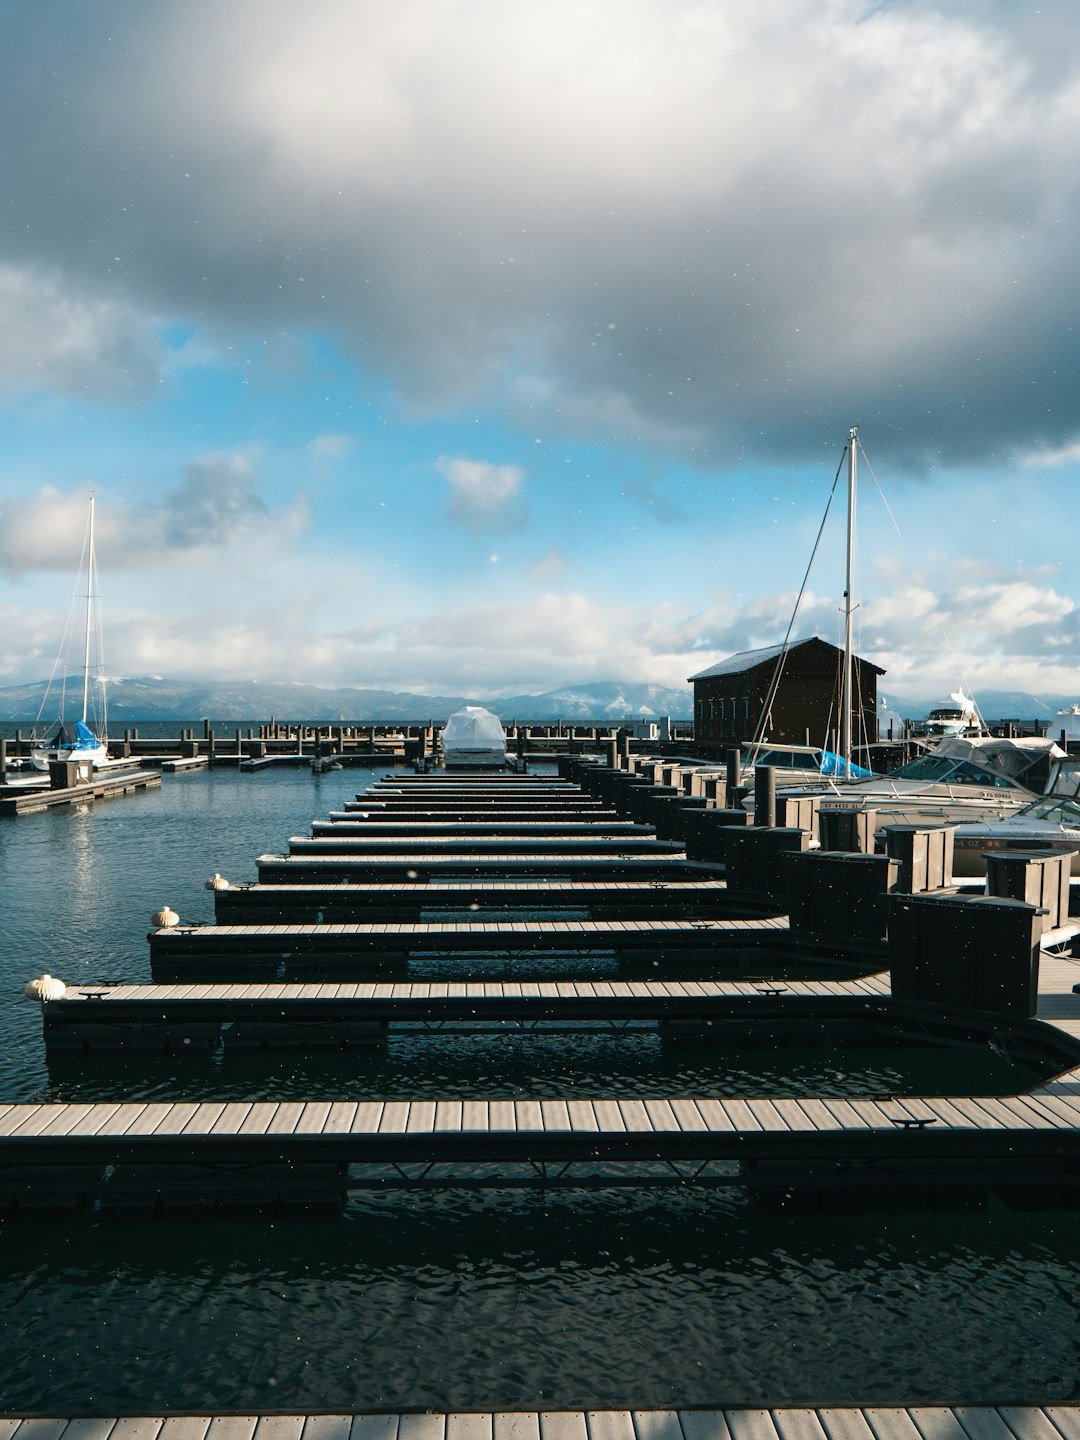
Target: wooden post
(3, 760)
(764, 795)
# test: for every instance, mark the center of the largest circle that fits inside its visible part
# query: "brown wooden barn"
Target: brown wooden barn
(729, 696)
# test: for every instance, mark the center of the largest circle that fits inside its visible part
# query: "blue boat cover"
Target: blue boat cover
(85, 739)
(833, 765)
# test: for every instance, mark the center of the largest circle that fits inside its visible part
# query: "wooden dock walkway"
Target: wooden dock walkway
(873, 1422)
(181, 949)
(266, 1151)
(638, 841)
(106, 785)
(274, 1016)
(396, 825)
(369, 901)
(426, 866)
(374, 803)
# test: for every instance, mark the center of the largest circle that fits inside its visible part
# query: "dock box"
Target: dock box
(1041, 877)
(838, 895)
(965, 952)
(847, 829)
(925, 853)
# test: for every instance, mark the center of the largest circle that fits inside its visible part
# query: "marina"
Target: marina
(539, 722)
(438, 896)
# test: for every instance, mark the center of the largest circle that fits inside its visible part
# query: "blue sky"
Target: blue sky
(489, 347)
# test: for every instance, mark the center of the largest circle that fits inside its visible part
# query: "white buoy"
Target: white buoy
(164, 918)
(46, 988)
(217, 882)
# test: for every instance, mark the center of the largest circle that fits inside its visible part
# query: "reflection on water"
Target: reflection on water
(511, 1299)
(487, 1298)
(516, 1065)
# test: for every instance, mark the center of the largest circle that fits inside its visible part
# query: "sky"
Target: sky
(484, 346)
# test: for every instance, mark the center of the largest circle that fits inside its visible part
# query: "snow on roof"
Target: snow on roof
(748, 659)
(744, 660)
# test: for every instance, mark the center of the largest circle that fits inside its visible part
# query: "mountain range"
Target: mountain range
(154, 697)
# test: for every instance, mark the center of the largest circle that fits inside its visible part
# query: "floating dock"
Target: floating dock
(106, 785)
(692, 899)
(182, 949)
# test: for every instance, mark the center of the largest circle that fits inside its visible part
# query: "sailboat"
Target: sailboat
(964, 779)
(83, 744)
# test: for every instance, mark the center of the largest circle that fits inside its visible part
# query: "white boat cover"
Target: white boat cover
(474, 736)
(1067, 720)
(1010, 757)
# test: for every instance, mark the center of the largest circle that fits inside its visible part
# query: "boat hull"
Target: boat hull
(43, 757)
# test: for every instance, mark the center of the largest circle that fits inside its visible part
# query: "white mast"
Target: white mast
(89, 608)
(846, 691)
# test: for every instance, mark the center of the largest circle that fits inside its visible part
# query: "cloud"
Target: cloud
(721, 229)
(332, 447)
(215, 505)
(216, 500)
(549, 568)
(644, 488)
(1051, 459)
(56, 336)
(1001, 634)
(483, 496)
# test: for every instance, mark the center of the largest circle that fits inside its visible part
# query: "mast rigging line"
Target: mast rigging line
(774, 683)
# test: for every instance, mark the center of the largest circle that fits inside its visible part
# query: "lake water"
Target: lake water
(496, 1298)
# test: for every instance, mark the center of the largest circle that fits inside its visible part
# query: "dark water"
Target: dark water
(488, 1298)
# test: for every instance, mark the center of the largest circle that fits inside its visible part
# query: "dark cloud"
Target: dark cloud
(216, 499)
(727, 230)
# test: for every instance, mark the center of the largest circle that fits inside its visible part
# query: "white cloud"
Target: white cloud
(332, 447)
(484, 496)
(550, 568)
(214, 621)
(1052, 459)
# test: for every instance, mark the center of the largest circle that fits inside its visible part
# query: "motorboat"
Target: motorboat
(799, 764)
(959, 717)
(959, 782)
(1052, 822)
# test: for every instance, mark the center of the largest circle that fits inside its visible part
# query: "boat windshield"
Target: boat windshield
(1052, 808)
(787, 759)
(956, 772)
(948, 714)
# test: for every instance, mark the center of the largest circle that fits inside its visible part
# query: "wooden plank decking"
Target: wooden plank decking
(184, 948)
(329, 1013)
(916, 1422)
(358, 901)
(105, 786)
(424, 866)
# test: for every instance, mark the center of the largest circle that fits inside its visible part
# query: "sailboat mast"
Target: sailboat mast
(846, 694)
(89, 608)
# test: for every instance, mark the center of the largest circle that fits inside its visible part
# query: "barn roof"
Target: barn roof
(751, 659)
